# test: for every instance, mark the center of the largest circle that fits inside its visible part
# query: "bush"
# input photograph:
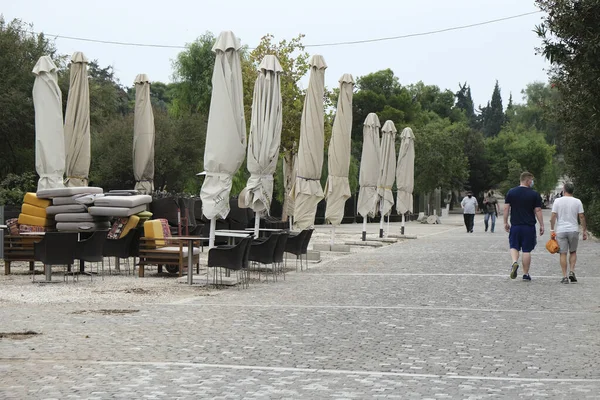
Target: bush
(14, 187)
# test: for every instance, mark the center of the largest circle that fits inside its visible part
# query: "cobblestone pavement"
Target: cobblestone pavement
(436, 317)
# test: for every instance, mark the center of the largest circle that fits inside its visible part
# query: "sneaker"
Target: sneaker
(513, 270)
(564, 280)
(526, 277)
(572, 277)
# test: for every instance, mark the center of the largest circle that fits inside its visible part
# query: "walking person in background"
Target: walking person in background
(564, 219)
(490, 206)
(469, 205)
(524, 205)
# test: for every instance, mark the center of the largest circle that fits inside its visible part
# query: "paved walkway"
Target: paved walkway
(435, 317)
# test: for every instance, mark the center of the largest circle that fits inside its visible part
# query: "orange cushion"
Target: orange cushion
(35, 211)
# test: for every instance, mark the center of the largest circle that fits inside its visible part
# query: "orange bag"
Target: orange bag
(552, 245)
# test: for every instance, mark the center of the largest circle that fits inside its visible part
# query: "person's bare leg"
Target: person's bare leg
(514, 254)
(526, 263)
(563, 263)
(572, 261)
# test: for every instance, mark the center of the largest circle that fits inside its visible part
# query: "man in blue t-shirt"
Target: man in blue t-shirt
(524, 205)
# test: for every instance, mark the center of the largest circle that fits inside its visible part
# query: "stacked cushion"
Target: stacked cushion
(70, 213)
(34, 212)
(120, 206)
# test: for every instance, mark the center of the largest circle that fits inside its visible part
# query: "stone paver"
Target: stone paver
(435, 317)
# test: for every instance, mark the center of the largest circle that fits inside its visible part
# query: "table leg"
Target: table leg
(190, 270)
(48, 269)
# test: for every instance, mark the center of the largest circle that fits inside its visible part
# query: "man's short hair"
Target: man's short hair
(526, 176)
(569, 187)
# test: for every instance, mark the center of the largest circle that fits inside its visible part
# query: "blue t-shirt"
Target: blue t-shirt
(523, 202)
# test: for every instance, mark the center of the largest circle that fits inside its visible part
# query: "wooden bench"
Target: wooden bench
(19, 248)
(158, 248)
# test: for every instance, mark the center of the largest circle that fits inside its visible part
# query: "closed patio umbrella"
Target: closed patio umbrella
(369, 170)
(49, 130)
(307, 189)
(264, 138)
(292, 179)
(387, 173)
(226, 132)
(337, 188)
(143, 136)
(77, 124)
(405, 174)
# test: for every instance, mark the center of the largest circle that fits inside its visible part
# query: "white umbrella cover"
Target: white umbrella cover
(265, 137)
(143, 136)
(49, 131)
(226, 131)
(77, 124)
(369, 167)
(405, 173)
(337, 188)
(387, 173)
(307, 190)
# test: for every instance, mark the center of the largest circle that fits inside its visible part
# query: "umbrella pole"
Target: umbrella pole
(211, 236)
(388, 222)
(256, 224)
(402, 228)
(332, 235)
(291, 222)
(381, 220)
(364, 231)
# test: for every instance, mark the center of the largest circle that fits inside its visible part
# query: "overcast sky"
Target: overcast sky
(503, 51)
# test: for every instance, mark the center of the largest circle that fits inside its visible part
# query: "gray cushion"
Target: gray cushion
(82, 226)
(64, 201)
(78, 217)
(123, 201)
(115, 211)
(69, 208)
(67, 191)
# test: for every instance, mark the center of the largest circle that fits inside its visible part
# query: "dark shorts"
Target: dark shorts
(522, 238)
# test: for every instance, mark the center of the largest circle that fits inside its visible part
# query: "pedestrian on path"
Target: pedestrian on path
(524, 205)
(565, 211)
(490, 204)
(469, 205)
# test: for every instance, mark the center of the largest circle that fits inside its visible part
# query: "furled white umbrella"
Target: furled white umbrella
(337, 188)
(369, 170)
(405, 174)
(49, 130)
(143, 136)
(77, 124)
(264, 139)
(226, 131)
(307, 189)
(387, 172)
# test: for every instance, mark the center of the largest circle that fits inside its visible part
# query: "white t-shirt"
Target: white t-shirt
(469, 205)
(567, 209)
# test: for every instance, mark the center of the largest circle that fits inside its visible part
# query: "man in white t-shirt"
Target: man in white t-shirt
(565, 211)
(469, 205)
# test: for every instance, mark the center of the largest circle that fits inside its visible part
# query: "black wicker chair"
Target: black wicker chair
(125, 247)
(233, 258)
(56, 248)
(263, 252)
(91, 250)
(295, 244)
(280, 251)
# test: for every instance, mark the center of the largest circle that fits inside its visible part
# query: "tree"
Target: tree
(192, 72)
(570, 33)
(493, 118)
(19, 51)
(439, 158)
(464, 102)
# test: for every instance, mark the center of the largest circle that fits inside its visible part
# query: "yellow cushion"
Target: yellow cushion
(25, 219)
(31, 198)
(132, 222)
(153, 229)
(34, 211)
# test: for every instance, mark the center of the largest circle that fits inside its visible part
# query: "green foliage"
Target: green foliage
(14, 186)
(570, 33)
(493, 115)
(193, 70)
(439, 158)
(19, 51)
(464, 102)
(474, 149)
